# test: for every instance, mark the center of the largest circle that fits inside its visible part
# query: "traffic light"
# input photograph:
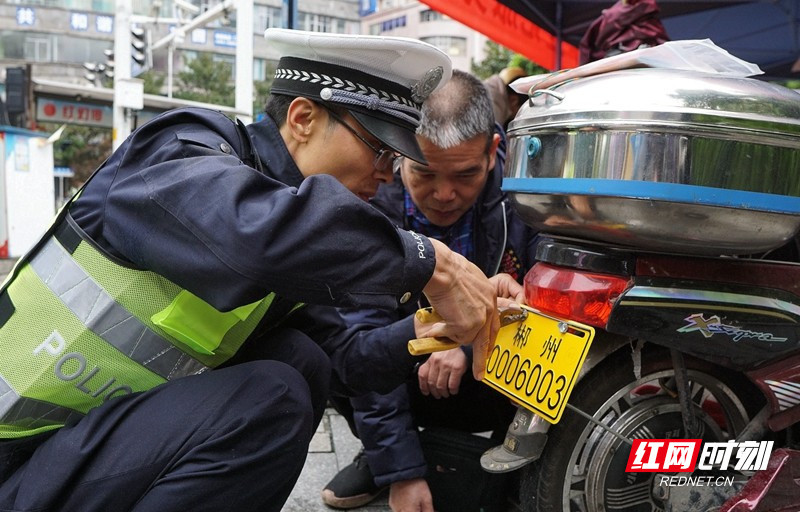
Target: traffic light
(109, 53)
(16, 87)
(99, 73)
(93, 71)
(139, 48)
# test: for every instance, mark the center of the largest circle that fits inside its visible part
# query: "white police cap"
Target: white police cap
(381, 81)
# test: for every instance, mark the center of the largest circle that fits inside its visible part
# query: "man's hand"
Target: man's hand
(411, 496)
(508, 290)
(467, 302)
(441, 374)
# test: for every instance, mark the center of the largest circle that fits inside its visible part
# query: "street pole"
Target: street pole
(122, 69)
(170, 56)
(199, 21)
(244, 60)
(290, 7)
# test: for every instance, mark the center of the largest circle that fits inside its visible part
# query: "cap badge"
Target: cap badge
(425, 86)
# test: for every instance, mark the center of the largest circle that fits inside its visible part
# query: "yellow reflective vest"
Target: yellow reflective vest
(79, 327)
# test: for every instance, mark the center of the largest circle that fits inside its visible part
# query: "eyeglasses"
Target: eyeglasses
(384, 158)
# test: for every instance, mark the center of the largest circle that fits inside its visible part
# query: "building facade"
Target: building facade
(56, 37)
(57, 40)
(410, 18)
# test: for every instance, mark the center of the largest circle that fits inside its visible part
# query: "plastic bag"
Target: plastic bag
(698, 55)
(694, 55)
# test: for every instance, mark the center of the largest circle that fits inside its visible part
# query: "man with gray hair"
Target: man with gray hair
(455, 198)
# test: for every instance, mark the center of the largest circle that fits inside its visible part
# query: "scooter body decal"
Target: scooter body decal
(713, 325)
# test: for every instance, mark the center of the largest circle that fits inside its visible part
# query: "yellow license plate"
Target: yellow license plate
(535, 362)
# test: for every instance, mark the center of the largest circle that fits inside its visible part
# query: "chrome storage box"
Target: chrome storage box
(661, 160)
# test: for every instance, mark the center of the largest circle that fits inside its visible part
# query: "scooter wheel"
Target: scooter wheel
(582, 467)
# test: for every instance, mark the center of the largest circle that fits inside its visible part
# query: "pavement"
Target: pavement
(332, 448)
(5, 267)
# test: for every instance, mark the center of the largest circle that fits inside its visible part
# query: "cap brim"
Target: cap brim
(400, 139)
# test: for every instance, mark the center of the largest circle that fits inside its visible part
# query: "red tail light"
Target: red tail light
(572, 294)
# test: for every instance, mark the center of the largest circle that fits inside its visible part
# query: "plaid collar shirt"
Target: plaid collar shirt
(458, 237)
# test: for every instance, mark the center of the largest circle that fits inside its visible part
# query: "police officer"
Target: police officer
(193, 240)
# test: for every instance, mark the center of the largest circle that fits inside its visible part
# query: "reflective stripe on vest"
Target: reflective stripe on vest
(79, 328)
(103, 316)
(28, 413)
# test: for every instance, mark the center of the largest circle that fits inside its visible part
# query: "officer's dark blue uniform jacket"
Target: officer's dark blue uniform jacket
(222, 210)
(502, 244)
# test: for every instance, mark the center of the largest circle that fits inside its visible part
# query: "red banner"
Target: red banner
(506, 27)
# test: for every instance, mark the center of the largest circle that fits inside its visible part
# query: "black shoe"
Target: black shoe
(353, 486)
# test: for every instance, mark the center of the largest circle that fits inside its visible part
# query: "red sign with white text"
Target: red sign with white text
(667, 455)
(64, 111)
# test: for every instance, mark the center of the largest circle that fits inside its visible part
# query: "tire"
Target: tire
(582, 467)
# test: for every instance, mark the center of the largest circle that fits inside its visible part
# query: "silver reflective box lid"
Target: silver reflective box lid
(662, 97)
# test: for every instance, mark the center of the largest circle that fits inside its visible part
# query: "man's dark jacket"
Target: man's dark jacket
(385, 423)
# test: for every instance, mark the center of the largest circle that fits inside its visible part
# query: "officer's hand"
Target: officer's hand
(441, 374)
(410, 496)
(467, 301)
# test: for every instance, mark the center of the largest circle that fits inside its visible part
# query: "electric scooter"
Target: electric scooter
(664, 311)
(684, 348)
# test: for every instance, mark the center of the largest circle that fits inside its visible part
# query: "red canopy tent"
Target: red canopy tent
(510, 29)
(765, 32)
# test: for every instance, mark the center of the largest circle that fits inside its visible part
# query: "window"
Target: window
(320, 23)
(12, 45)
(259, 70)
(41, 47)
(388, 25)
(430, 15)
(37, 49)
(79, 49)
(265, 17)
(453, 46)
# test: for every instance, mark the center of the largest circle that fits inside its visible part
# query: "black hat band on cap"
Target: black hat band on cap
(348, 87)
